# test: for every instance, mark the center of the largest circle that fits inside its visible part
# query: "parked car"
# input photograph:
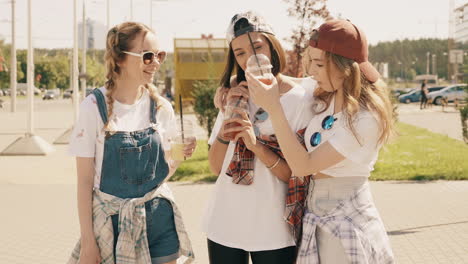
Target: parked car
(67, 94)
(436, 88)
(6, 92)
(415, 95)
(398, 92)
(452, 92)
(25, 91)
(49, 95)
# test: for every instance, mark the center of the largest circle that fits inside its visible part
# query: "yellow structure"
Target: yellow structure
(194, 60)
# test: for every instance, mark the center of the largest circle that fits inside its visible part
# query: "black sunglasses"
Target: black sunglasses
(327, 124)
(260, 116)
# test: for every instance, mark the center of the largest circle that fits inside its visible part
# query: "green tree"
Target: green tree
(48, 72)
(95, 71)
(204, 108)
(21, 58)
(412, 54)
(307, 13)
(5, 75)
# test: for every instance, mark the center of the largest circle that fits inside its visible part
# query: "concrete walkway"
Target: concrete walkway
(427, 221)
(446, 122)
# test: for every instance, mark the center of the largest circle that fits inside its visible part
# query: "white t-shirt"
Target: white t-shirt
(250, 217)
(360, 156)
(87, 138)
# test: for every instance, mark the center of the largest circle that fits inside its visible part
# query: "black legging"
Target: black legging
(423, 101)
(220, 254)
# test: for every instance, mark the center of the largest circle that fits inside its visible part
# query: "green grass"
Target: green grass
(416, 154)
(197, 168)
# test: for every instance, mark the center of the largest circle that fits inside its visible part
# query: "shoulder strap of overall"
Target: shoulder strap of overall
(101, 103)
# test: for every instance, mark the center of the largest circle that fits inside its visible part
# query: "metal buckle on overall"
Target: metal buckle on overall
(109, 133)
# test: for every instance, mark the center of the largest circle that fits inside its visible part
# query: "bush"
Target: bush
(206, 112)
(464, 119)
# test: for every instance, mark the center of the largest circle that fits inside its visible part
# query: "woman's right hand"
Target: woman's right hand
(220, 97)
(221, 134)
(223, 95)
(90, 253)
(238, 91)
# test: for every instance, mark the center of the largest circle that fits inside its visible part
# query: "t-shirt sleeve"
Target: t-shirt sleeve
(82, 141)
(303, 112)
(216, 127)
(166, 123)
(347, 144)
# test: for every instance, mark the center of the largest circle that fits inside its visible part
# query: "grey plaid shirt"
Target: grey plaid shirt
(356, 223)
(132, 244)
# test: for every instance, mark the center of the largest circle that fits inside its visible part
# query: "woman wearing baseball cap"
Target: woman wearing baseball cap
(244, 216)
(353, 119)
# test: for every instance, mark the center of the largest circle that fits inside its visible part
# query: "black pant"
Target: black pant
(423, 101)
(220, 254)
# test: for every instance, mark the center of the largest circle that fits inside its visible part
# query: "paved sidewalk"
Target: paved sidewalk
(446, 122)
(427, 221)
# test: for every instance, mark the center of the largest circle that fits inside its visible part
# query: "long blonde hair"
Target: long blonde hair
(359, 94)
(119, 39)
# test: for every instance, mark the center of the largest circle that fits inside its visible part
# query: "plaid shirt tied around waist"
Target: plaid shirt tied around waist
(356, 223)
(132, 243)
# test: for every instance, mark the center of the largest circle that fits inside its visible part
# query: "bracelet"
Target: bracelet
(222, 141)
(274, 165)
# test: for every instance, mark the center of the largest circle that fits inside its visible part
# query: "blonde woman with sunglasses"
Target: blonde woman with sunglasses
(126, 210)
(353, 119)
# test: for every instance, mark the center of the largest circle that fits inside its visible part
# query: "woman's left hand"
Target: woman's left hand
(265, 96)
(189, 146)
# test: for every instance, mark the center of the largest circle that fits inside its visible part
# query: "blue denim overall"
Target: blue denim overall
(133, 165)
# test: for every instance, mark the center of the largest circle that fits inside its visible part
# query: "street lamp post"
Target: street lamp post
(446, 57)
(83, 62)
(13, 67)
(428, 54)
(64, 138)
(107, 15)
(401, 70)
(131, 10)
(151, 11)
(75, 61)
(30, 74)
(29, 144)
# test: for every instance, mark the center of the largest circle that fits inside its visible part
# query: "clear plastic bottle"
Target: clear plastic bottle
(234, 103)
(260, 66)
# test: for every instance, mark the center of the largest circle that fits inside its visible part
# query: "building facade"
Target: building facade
(461, 23)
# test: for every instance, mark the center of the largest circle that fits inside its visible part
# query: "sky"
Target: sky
(381, 20)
